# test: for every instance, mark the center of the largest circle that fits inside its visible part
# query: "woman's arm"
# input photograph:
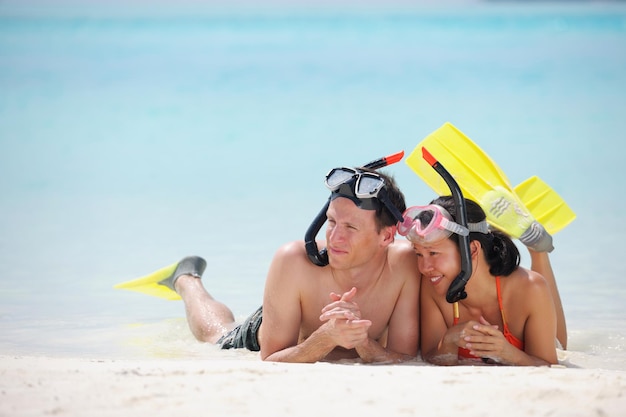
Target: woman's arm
(437, 346)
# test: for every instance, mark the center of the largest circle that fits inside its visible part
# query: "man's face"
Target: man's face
(351, 234)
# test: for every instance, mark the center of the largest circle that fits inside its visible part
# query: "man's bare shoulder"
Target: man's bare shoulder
(402, 251)
(402, 258)
(402, 245)
(291, 259)
(294, 248)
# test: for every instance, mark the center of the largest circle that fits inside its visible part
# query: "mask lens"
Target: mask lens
(425, 218)
(369, 185)
(425, 224)
(364, 188)
(338, 176)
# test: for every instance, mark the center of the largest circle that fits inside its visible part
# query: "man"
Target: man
(363, 304)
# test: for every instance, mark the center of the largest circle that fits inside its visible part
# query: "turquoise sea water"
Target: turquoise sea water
(133, 136)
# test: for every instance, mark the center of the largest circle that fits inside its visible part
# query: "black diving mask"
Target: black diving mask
(366, 189)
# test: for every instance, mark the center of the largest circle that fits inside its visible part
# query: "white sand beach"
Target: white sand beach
(246, 386)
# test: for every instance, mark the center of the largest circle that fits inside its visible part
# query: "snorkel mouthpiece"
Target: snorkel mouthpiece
(456, 291)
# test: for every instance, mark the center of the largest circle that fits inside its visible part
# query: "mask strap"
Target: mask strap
(480, 227)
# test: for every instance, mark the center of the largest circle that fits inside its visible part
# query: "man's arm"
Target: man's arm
(346, 315)
(404, 325)
(280, 327)
(282, 314)
(403, 330)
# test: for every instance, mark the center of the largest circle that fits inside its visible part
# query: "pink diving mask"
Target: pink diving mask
(430, 224)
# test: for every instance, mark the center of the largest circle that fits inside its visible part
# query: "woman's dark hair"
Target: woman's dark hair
(501, 254)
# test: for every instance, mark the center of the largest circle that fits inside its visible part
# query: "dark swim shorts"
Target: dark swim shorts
(244, 336)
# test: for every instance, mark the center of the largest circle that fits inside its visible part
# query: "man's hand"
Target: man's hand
(343, 320)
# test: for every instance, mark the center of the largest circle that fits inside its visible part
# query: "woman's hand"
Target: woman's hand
(485, 340)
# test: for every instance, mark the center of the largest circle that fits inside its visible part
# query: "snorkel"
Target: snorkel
(456, 291)
(320, 257)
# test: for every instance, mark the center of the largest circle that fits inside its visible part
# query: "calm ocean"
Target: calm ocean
(133, 136)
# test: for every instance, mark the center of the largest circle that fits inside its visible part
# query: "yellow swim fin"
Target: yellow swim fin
(482, 180)
(149, 284)
(545, 204)
(161, 283)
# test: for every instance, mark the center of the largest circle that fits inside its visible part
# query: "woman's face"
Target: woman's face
(440, 263)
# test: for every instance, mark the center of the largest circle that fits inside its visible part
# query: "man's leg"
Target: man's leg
(208, 318)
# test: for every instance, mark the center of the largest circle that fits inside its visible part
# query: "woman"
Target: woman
(511, 315)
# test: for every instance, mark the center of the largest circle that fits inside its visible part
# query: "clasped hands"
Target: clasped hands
(481, 338)
(343, 323)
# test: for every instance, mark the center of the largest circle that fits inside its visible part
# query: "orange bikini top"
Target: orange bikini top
(465, 353)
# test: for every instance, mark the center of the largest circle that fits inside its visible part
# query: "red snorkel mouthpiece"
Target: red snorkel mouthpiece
(384, 161)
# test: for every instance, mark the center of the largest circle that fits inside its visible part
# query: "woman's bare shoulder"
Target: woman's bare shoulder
(525, 287)
(524, 278)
